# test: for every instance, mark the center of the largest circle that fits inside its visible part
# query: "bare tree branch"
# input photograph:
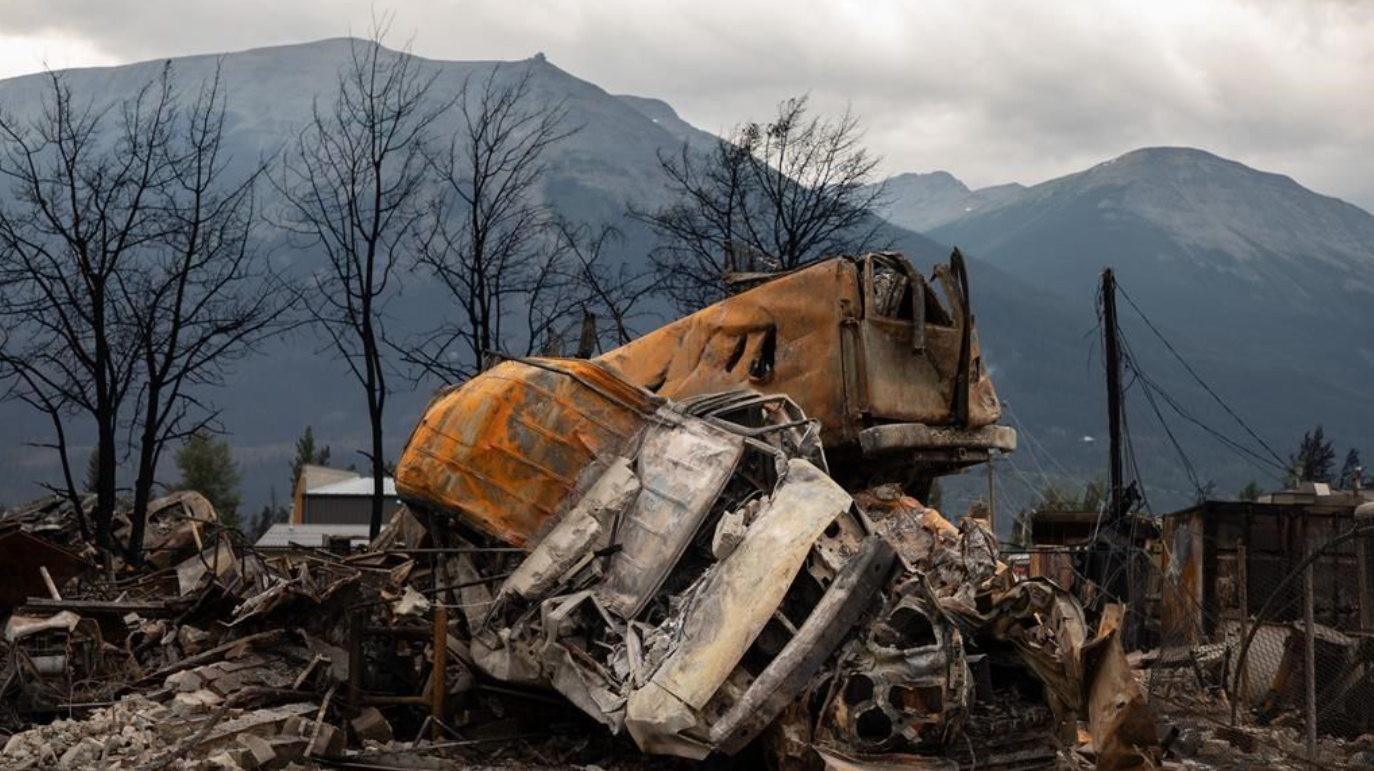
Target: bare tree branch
(491, 242)
(201, 299)
(82, 206)
(771, 197)
(354, 184)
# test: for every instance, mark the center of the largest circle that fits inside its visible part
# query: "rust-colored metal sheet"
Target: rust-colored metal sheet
(1182, 599)
(1119, 715)
(856, 342)
(505, 449)
(782, 337)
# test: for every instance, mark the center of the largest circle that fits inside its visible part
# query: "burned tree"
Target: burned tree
(770, 197)
(615, 294)
(199, 299)
(129, 276)
(353, 185)
(84, 186)
(491, 242)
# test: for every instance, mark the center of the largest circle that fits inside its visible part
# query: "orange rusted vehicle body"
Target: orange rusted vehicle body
(507, 448)
(865, 345)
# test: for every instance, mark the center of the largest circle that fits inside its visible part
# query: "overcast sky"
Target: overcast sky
(990, 91)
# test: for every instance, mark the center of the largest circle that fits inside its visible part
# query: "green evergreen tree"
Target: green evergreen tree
(1093, 497)
(1314, 461)
(307, 454)
(1251, 492)
(207, 466)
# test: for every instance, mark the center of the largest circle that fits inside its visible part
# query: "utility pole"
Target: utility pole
(1115, 576)
(1112, 348)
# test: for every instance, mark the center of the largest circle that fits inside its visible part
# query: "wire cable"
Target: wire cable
(1198, 377)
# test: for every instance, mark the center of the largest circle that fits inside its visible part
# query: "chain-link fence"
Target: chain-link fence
(1251, 625)
(1260, 646)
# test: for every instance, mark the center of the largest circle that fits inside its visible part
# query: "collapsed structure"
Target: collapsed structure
(709, 539)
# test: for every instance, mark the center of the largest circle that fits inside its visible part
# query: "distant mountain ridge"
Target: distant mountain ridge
(923, 202)
(1268, 286)
(1215, 242)
(1212, 208)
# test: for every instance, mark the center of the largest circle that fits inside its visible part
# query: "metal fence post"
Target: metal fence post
(1309, 629)
(1243, 580)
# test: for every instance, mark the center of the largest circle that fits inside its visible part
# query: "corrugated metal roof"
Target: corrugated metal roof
(361, 486)
(309, 535)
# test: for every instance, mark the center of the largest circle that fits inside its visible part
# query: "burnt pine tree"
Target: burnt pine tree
(353, 185)
(771, 196)
(491, 242)
(199, 298)
(82, 203)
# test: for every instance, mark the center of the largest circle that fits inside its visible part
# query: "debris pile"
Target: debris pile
(579, 550)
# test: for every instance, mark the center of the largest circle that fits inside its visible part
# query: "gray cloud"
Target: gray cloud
(992, 92)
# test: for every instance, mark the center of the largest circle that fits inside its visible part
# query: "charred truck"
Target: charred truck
(713, 535)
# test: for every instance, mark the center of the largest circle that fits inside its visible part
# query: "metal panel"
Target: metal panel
(504, 450)
(682, 467)
(739, 598)
(722, 347)
(808, 334)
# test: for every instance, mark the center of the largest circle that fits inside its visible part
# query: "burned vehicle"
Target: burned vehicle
(866, 345)
(688, 572)
(691, 566)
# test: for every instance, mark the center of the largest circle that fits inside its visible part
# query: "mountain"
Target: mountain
(1266, 287)
(1238, 257)
(663, 114)
(922, 202)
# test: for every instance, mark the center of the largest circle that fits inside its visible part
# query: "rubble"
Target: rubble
(588, 566)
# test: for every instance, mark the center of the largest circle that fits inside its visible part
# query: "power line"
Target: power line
(1153, 389)
(1245, 453)
(1173, 440)
(1032, 442)
(1199, 379)
(1025, 481)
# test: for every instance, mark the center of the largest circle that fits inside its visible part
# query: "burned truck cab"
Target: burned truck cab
(885, 359)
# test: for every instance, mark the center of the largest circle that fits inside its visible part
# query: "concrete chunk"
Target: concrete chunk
(329, 742)
(260, 753)
(271, 754)
(369, 725)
